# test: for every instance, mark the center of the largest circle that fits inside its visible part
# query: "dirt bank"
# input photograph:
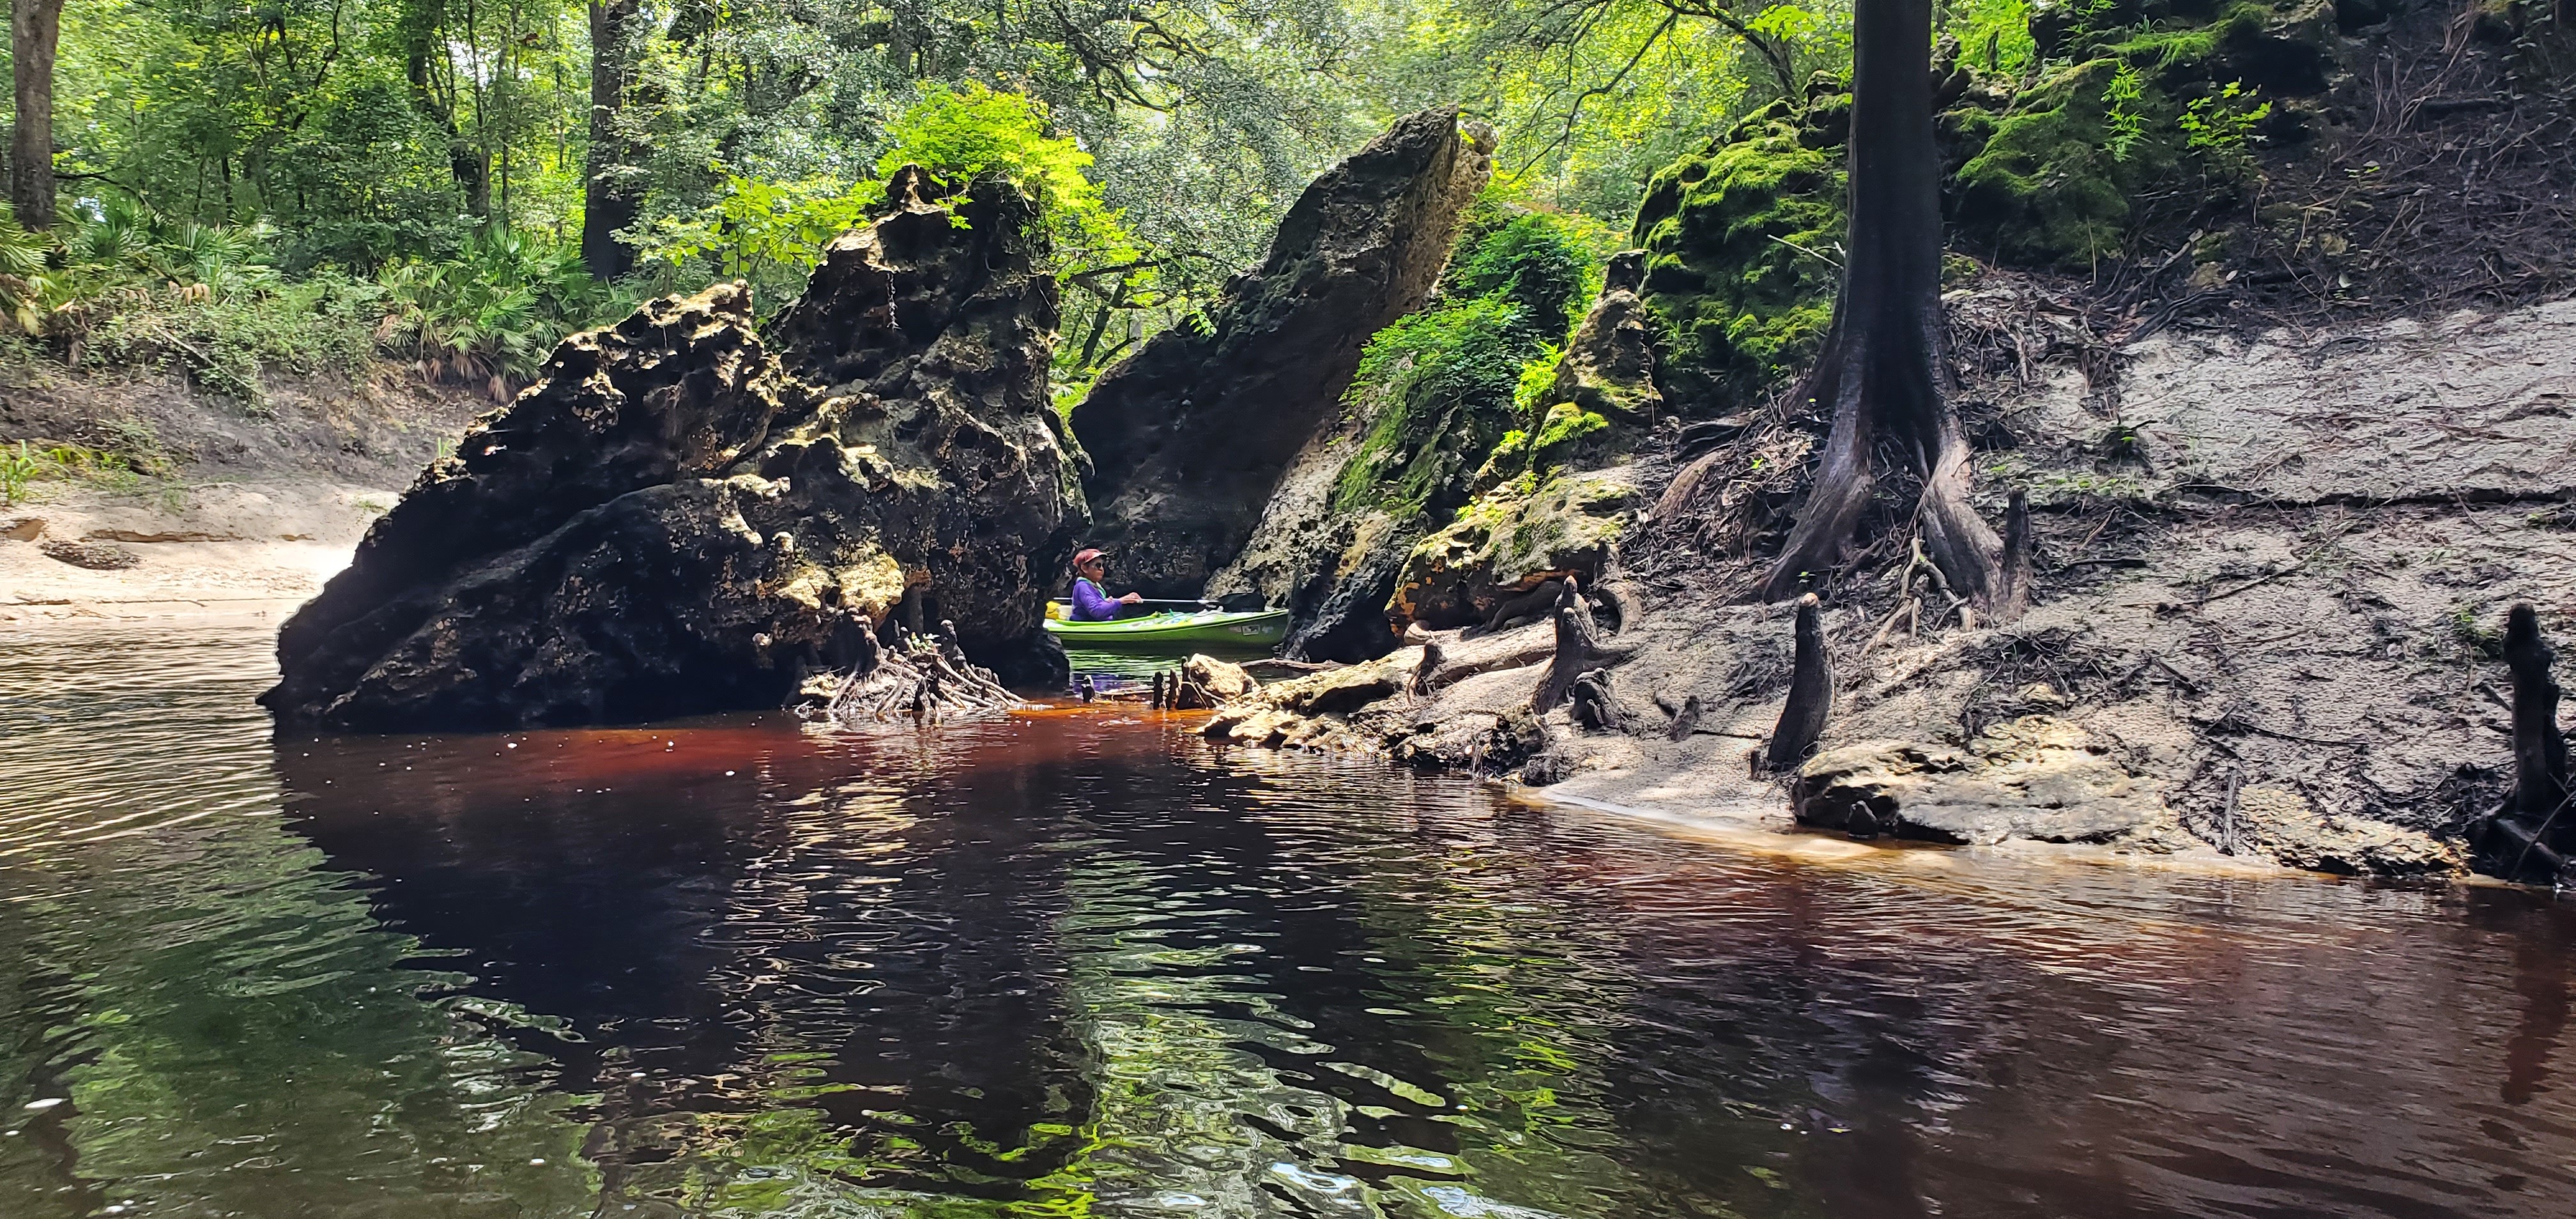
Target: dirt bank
(151, 500)
(2272, 576)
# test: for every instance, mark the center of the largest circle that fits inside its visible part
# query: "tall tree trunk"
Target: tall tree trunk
(35, 29)
(609, 203)
(422, 28)
(1885, 369)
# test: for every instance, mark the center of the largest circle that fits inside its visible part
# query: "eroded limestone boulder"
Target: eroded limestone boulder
(679, 517)
(1509, 542)
(2032, 778)
(1190, 436)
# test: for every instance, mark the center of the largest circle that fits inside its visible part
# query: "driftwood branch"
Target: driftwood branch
(922, 678)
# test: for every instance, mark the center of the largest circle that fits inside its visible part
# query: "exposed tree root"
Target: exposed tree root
(921, 678)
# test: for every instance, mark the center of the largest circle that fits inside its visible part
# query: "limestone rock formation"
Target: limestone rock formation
(2031, 778)
(679, 517)
(1190, 436)
(1509, 542)
(1336, 559)
(2281, 824)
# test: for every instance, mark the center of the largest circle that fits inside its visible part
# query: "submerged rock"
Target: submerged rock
(681, 518)
(2031, 778)
(1190, 436)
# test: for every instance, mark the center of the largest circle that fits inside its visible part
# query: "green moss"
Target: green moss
(1742, 251)
(1441, 388)
(1564, 428)
(2051, 187)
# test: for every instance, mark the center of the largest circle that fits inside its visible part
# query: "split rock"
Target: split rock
(1189, 437)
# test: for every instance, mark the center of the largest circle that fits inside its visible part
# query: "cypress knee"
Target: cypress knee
(2539, 749)
(1811, 692)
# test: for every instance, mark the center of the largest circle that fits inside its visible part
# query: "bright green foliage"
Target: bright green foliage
(496, 310)
(1994, 35)
(1442, 387)
(2223, 123)
(2138, 95)
(2120, 115)
(17, 469)
(969, 131)
(1442, 381)
(1742, 256)
(22, 277)
(768, 234)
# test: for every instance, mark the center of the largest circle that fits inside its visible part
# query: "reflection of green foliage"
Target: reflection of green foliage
(249, 1034)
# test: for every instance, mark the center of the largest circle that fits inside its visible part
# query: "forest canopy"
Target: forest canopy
(440, 159)
(243, 184)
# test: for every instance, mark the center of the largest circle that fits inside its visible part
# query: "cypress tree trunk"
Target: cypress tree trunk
(35, 30)
(1885, 370)
(608, 203)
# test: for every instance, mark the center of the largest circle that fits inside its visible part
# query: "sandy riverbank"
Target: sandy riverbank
(190, 551)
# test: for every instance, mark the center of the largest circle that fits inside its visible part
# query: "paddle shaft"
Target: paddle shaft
(1190, 604)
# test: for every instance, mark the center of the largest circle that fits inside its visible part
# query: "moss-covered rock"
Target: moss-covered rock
(2148, 93)
(1434, 395)
(1739, 267)
(1512, 539)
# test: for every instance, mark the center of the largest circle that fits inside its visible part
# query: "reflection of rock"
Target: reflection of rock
(1508, 542)
(2282, 824)
(2031, 778)
(678, 518)
(1190, 436)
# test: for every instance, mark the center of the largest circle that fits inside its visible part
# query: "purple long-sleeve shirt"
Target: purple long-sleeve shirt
(1090, 604)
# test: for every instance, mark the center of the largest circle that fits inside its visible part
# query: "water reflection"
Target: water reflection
(1083, 964)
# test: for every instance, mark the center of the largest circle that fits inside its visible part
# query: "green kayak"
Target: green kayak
(1258, 628)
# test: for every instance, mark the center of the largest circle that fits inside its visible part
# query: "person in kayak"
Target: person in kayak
(1091, 602)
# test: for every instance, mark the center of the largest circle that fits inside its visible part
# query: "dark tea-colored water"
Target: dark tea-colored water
(1086, 964)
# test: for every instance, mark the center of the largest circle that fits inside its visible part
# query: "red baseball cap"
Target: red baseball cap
(1083, 558)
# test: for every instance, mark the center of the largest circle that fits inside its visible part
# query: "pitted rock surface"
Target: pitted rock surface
(2032, 778)
(679, 517)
